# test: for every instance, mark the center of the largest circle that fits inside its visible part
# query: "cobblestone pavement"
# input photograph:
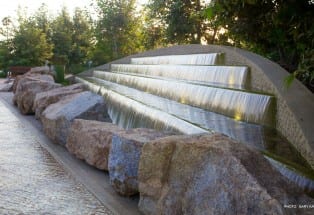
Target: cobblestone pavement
(32, 181)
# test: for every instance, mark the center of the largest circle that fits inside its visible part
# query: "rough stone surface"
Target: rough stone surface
(27, 88)
(6, 87)
(70, 78)
(211, 174)
(58, 117)
(124, 158)
(44, 99)
(16, 81)
(91, 141)
(41, 75)
(42, 70)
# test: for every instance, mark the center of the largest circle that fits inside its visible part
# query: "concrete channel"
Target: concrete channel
(40, 177)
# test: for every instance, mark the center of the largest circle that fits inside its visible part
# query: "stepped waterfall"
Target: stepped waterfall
(193, 94)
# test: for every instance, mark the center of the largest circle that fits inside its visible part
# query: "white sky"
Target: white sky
(9, 7)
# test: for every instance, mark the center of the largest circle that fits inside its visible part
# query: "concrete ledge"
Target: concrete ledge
(295, 106)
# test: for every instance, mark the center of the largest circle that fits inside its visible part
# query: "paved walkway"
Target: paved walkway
(39, 177)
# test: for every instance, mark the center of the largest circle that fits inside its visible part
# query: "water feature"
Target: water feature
(198, 59)
(244, 106)
(194, 99)
(129, 113)
(294, 175)
(225, 76)
(129, 108)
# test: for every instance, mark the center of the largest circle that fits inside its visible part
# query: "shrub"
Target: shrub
(59, 69)
(3, 74)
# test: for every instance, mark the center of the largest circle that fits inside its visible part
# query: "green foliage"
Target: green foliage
(72, 37)
(4, 55)
(26, 44)
(62, 37)
(305, 70)
(77, 68)
(29, 45)
(7, 28)
(117, 30)
(3, 74)
(35, 39)
(280, 30)
(289, 80)
(180, 21)
(59, 76)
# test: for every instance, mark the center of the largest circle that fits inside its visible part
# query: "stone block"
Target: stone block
(212, 174)
(44, 99)
(27, 88)
(58, 117)
(91, 141)
(124, 157)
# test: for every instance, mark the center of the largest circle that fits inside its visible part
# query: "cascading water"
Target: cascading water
(193, 99)
(244, 106)
(224, 76)
(196, 59)
(129, 113)
(133, 109)
(293, 176)
(247, 133)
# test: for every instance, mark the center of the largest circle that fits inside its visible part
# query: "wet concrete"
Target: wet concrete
(39, 177)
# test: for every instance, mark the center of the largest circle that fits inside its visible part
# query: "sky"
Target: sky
(9, 7)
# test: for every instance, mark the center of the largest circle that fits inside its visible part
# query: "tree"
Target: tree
(62, 38)
(29, 45)
(6, 33)
(154, 35)
(280, 30)
(43, 20)
(72, 38)
(81, 37)
(117, 30)
(5, 55)
(182, 20)
(7, 28)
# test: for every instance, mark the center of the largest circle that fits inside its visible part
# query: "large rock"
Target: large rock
(42, 75)
(27, 88)
(58, 117)
(91, 141)
(124, 158)
(211, 174)
(16, 81)
(6, 87)
(42, 70)
(44, 99)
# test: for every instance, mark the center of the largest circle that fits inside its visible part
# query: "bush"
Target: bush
(3, 74)
(77, 68)
(305, 71)
(59, 73)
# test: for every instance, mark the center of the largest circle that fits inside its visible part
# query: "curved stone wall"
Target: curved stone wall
(295, 105)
